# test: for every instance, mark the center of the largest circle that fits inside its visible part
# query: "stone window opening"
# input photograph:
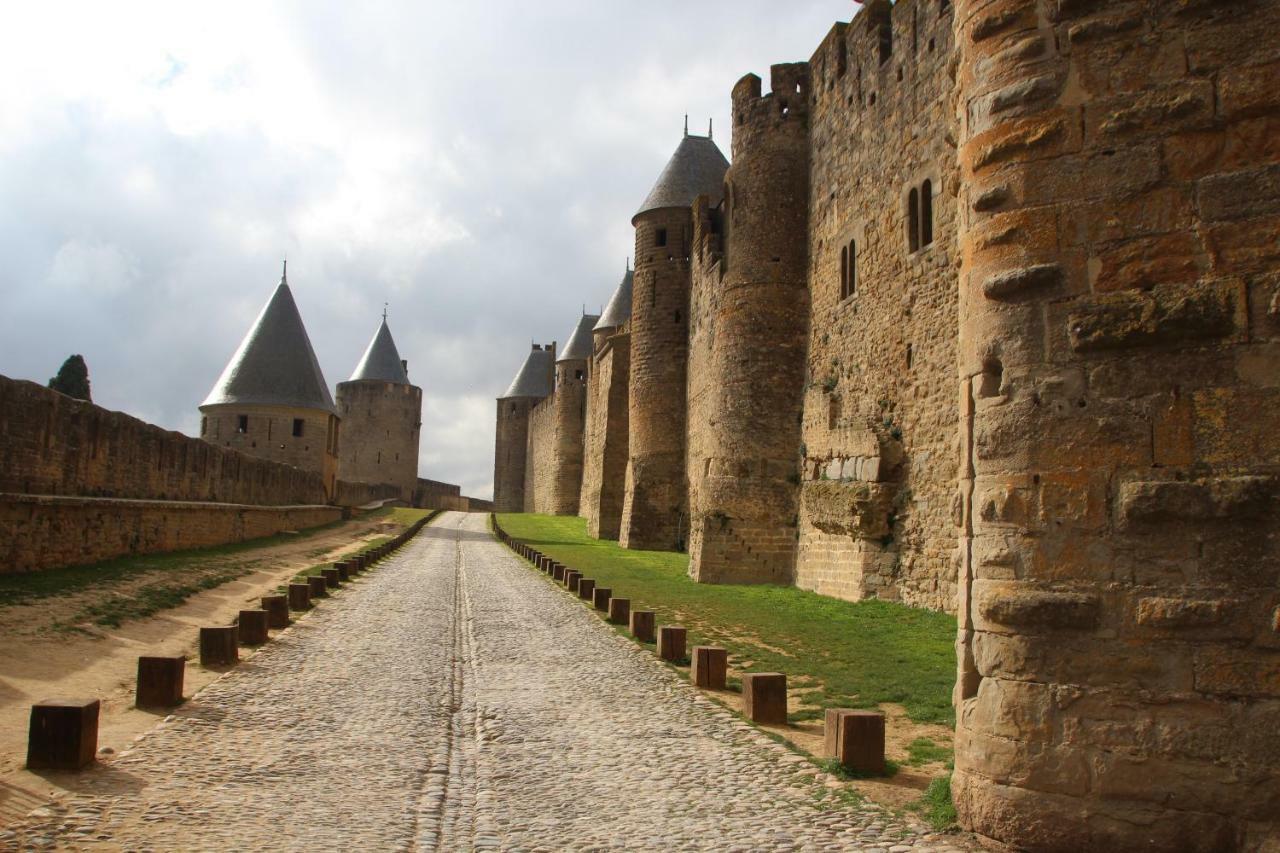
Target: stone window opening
(379, 462)
(578, 374)
(871, 99)
(842, 59)
(844, 271)
(910, 356)
(913, 220)
(677, 316)
(242, 423)
(899, 73)
(660, 237)
(269, 425)
(297, 427)
(990, 379)
(886, 41)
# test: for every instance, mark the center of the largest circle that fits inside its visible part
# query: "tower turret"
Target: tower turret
(534, 381)
(743, 488)
(654, 512)
(568, 422)
(272, 400)
(382, 417)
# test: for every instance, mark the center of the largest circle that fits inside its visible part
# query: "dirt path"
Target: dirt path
(44, 660)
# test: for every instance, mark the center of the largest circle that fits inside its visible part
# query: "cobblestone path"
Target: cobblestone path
(454, 700)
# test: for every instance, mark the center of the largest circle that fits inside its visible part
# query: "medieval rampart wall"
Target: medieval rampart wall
(604, 458)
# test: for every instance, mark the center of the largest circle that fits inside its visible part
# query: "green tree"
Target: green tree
(73, 378)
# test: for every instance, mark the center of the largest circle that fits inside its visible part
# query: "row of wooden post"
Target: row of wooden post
(63, 734)
(854, 738)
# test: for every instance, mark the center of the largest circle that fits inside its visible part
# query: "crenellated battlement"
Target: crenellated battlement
(785, 109)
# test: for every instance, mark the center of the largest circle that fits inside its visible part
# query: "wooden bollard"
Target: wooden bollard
(299, 596)
(277, 607)
(344, 570)
(218, 646)
(586, 588)
(571, 579)
(671, 642)
(641, 625)
(557, 572)
(160, 681)
(855, 739)
(331, 578)
(253, 627)
(319, 586)
(710, 667)
(620, 611)
(63, 734)
(600, 598)
(764, 697)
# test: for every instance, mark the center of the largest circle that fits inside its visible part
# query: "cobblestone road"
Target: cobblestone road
(454, 700)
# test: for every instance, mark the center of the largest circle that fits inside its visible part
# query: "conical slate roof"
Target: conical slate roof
(697, 168)
(275, 365)
(578, 347)
(381, 361)
(618, 311)
(535, 376)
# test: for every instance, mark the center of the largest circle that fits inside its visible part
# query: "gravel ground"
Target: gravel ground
(455, 699)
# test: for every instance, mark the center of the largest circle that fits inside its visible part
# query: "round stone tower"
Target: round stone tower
(604, 464)
(272, 400)
(381, 419)
(570, 417)
(531, 385)
(655, 511)
(743, 492)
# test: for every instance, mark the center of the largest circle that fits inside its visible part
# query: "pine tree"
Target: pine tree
(73, 378)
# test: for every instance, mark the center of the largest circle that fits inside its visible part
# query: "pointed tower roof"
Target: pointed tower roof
(618, 311)
(275, 364)
(381, 360)
(697, 168)
(536, 375)
(578, 347)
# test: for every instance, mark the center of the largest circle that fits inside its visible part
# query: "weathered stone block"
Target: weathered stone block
(218, 646)
(1167, 314)
(253, 627)
(160, 681)
(764, 697)
(1158, 612)
(710, 667)
(1020, 605)
(63, 734)
(277, 608)
(620, 611)
(671, 643)
(855, 739)
(852, 509)
(642, 625)
(299, 596)
(600, 598)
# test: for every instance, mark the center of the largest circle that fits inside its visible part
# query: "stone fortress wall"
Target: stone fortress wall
(604, 443)
(1071, 208)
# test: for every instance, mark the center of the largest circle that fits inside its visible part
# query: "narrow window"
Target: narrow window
(853, 267)
(842, 61)
(660, 237)
(844, 272)
(577, 374)
(886, 41)
(297, 427)
(269, 430)
(926, 213)
(242, 423)
(379, 457)
(910, 354)
(913, 219)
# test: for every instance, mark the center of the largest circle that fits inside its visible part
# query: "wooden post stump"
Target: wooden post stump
(319, 586)
(557, 572)
(218, 646)
(855, 739)
(277, 607)
(586, 588)
(619, 611)
(764, 697)
(63, 734)
(671, 642)
(299, 596)
(344, 570)
(641, 627)
(160, 681)
(710, 667)
(253, 627)
(571, 579)
(600, 598)
(331, 578)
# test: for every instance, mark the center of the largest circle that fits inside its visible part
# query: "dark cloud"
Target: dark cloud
(474, 165)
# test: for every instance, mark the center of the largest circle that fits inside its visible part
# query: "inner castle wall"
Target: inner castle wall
(604, 455)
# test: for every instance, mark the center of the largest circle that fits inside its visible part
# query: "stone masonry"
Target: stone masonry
(1073, 206)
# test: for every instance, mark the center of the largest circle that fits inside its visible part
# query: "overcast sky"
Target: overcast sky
(473, 164)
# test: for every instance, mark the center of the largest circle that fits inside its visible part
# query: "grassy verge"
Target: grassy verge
(936, 806)
(837, 653)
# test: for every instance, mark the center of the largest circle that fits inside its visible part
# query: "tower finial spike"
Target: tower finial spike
(686, 124)
(384, 311)
(709, 134)
(628, 266)
(284, 272)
